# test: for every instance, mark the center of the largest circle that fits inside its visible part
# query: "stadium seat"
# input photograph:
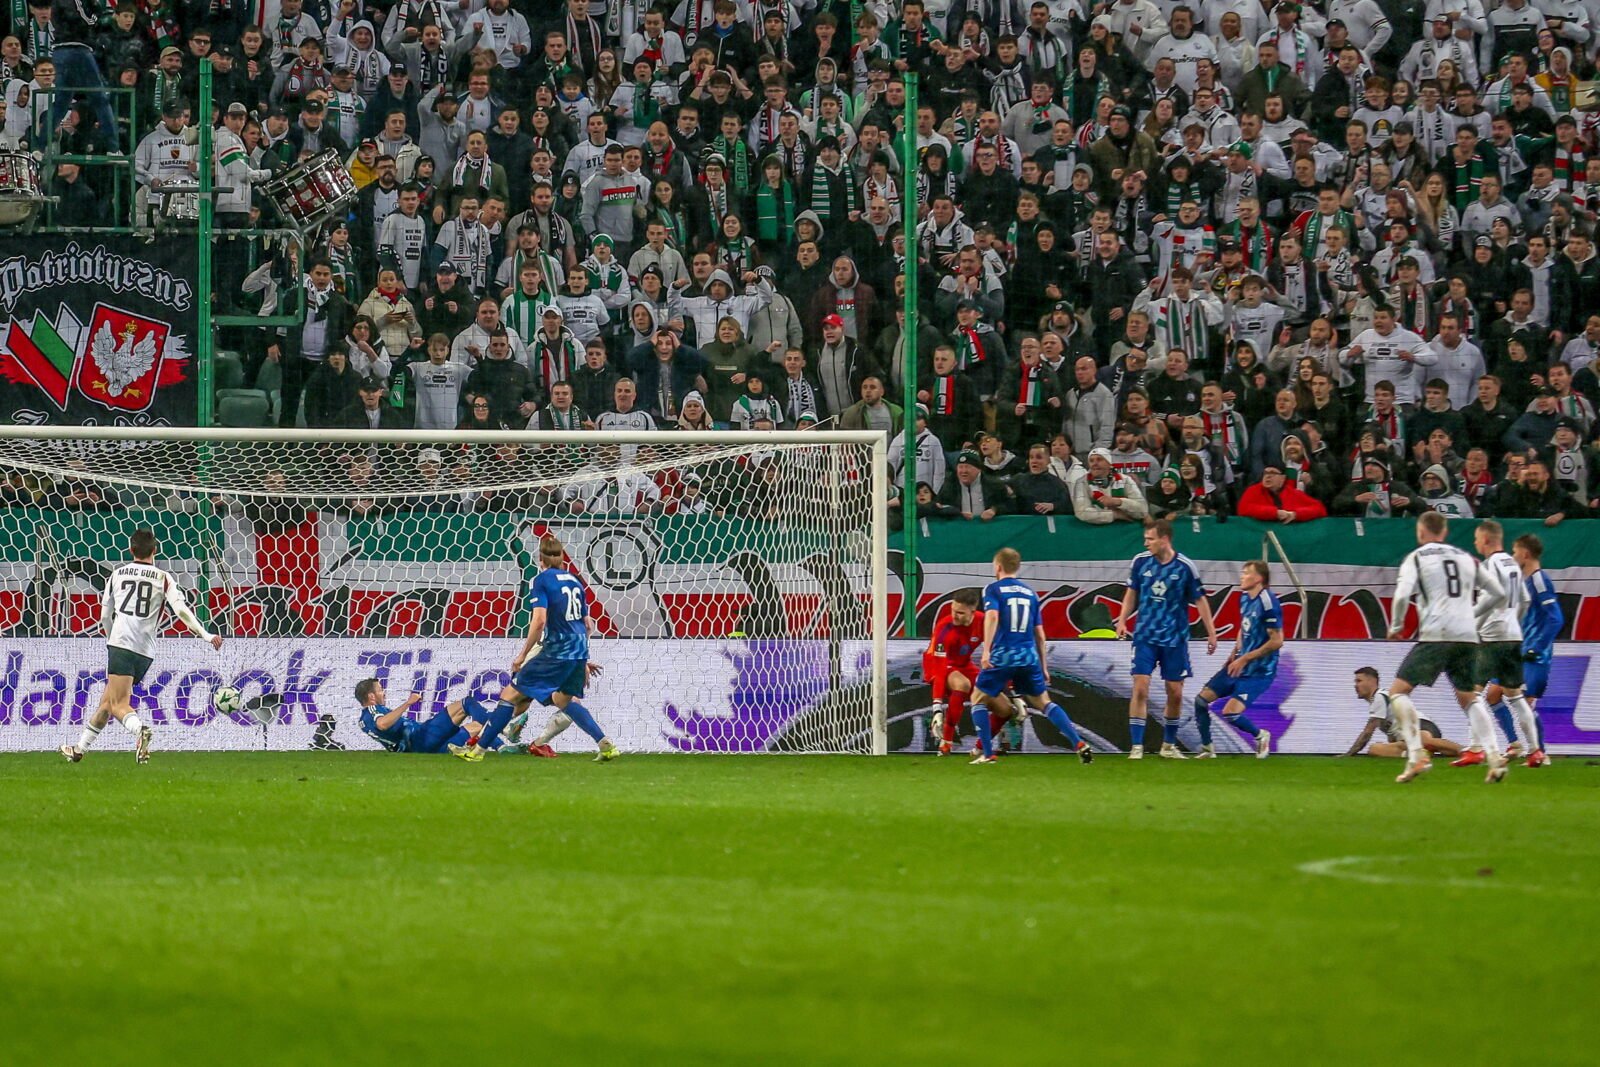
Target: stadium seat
(228, 371)
(244, 408)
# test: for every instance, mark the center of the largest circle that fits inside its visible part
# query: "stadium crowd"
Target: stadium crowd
(1232, 257)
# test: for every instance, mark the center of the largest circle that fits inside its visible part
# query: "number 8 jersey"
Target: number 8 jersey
(566, 605)
(1444, 580)
(130, 608)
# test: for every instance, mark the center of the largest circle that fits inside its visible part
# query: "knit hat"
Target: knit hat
(970, 457)
(603, 239)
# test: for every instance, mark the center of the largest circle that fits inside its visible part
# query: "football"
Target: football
(227, 700)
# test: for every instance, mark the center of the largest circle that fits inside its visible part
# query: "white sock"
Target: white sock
(131, 723)
(1527, 723)
(88, 737)
(1405, 713)
(558, 722)
(1483, 726)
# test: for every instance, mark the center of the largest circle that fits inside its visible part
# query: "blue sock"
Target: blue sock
(1239, 722)
(980, 721)
(1202, 719)
(583, 720)
(1058, 718)
(1502, 715)
(498, 718)
(1539, 721)
(475, 710)
(1136, 730)
(1169, 731)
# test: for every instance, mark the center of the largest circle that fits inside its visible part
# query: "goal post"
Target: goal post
(738, 580)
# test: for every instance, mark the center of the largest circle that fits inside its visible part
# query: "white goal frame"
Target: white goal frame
(878, 532)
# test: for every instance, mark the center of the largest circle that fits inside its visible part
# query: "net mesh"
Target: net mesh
(730, 582)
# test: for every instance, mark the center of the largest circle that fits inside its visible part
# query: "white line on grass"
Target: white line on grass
(1340, 867)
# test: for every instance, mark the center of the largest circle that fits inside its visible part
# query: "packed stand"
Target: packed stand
(1272, 260)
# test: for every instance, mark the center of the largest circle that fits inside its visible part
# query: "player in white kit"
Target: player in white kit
(1500, 653)
(130, 614)
(1446, 583)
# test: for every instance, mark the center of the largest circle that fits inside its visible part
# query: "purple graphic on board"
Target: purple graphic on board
(774, 681)
(1559, 704)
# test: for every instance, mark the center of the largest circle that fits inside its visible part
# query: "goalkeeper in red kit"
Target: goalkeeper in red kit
(948, 664)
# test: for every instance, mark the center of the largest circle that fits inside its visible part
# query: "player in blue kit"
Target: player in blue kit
(554, 662)
(1013, 652)
(396, 732)
(1162, 585)
(1542, 620)
(1251, 667)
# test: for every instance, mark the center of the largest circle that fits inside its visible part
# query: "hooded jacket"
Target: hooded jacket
(709, 308)
(1445, 500)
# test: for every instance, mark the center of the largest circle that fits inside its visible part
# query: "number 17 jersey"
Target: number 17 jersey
(566, 605)
(1018, 606)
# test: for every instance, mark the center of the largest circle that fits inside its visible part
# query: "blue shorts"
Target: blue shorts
(1172, 659)
(1028, 680)
(543, 678)
(1244, 689)
(1535, 677)
(433, 734)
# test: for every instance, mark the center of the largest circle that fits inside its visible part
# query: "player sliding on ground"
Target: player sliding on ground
(130, 614)
(1014, 652)
(1449, 583)
(1380, 716)
(440, 732)
(1251, 666)
(554, 662)
(1541, 621)
(1162, 586)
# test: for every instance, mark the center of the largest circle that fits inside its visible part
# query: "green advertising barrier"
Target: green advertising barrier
(1348, 542)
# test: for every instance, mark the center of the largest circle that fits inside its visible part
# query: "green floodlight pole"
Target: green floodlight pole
(908, 358)
(206, 342)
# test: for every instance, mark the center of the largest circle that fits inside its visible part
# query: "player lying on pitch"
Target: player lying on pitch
(553, 664)
(1380, 716)
(444, 731)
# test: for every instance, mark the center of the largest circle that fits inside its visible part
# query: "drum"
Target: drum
(21, 195)
(180, 203)
(310, 193)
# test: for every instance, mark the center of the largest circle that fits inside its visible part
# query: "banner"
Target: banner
(98, 334)
(429, 574)
(707, 696)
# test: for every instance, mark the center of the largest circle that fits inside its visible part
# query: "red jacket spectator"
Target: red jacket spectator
(1274, 499)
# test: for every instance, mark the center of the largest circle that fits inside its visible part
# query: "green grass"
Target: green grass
(373, 909)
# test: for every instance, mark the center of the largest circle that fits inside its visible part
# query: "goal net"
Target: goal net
(737, 580)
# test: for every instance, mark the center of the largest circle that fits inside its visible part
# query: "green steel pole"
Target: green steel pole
(206, 343)
(908, 360)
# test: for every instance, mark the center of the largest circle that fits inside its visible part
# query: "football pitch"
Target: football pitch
(375, 909)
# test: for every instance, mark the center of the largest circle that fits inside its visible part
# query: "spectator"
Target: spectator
(954, 413)
(1169, 496)
(332, 388)
(1105, 496)
(1374, 495)
(666, 370)
(1534, 428)
(1131, 459)
(369, 412)
(1026, 398)
(1266, 437)
(1436, 413)
(1439, 494)
(755, 404)
(1275, 499)
(1089, 407)
(1037, 490)
(437, 386)
(1537, 496)
(841, 364)
(872, 411)
(974, 494)
(389, 307)
(930, 454)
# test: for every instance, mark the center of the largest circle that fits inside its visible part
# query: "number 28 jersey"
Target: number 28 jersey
(1018, 607)
(566, 605)
(130, 608)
